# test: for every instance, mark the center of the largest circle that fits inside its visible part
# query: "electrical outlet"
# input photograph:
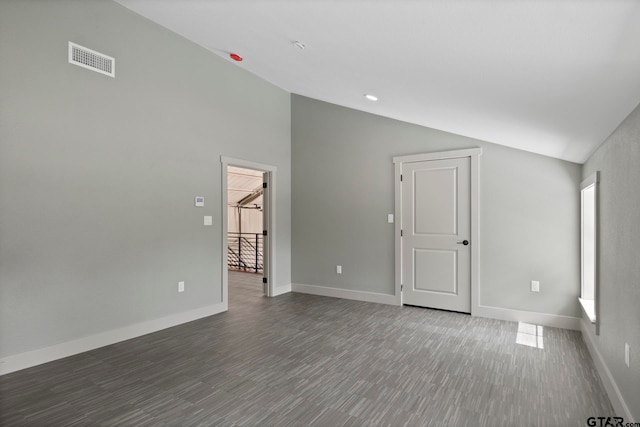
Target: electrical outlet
(535, 286)
(627, 350)
(180, 286)
(339, 269)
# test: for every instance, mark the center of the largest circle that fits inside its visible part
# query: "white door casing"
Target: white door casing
(269, 223)
(436, 205)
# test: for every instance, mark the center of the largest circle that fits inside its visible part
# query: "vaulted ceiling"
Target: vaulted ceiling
(554, 77)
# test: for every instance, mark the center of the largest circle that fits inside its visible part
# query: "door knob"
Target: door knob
(464, 242)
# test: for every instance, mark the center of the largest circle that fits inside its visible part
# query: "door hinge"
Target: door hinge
(264, 185)
(264, 280)
(401, 233)
(401, 288)
(400, 177)
(264, 232)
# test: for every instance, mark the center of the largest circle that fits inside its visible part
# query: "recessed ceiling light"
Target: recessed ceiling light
(299, 45)
(371, 97)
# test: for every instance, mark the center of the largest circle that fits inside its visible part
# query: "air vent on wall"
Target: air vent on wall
(92, 60)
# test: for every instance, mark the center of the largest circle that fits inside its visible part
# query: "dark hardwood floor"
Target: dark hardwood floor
(298, 360)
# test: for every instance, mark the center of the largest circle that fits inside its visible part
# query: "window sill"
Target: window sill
(589, 308)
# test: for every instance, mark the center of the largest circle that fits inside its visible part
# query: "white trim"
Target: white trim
(270, 201)
(398, 229)
(594, 178)
(475, 231)
(589, 309)
(248, 164)
(591, 181)
(543, 319)
(39, 356)
(280, 290)
(619, 405)
(438, 155)
(326, 291)
(474, 155)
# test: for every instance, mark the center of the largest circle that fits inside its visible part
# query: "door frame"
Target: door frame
(474, 155)
(269, 198)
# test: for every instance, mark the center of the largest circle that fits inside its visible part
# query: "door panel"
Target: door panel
(435, 271)
(435, 187)
(436, 219)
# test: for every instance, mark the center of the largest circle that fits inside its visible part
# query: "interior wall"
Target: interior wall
(618, 160)
(98, 175)
(343, 190)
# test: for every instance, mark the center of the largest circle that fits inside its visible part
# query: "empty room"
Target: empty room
(323, 213)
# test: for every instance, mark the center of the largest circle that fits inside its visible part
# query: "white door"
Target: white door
(436, 225)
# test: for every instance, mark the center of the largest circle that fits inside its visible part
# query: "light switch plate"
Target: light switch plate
(390, 218)
(199, 201)
(180, 286)
(208, 220)
(535, 286)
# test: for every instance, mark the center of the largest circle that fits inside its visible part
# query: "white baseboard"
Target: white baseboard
(543, 319)
(619, 405)
(39, 356)
(345, 293)
(279, 290)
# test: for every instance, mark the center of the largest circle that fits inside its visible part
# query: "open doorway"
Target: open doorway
(245, 220)
(245, 232)
(248, 227)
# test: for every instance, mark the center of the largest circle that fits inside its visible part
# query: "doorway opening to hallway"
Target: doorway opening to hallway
(248, 226)
(245, 232)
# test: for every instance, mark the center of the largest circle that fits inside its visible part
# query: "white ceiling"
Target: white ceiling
(553, 77)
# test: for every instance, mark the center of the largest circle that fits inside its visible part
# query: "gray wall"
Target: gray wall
(343, 190)
(618, 160)
(98, 175)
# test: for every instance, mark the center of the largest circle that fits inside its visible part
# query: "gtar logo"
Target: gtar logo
(605, 421)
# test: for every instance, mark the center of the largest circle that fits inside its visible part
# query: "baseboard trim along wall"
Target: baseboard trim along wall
(344, 293)
(542, 319)
(619, 405)
(279, 290)
(39, 356)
